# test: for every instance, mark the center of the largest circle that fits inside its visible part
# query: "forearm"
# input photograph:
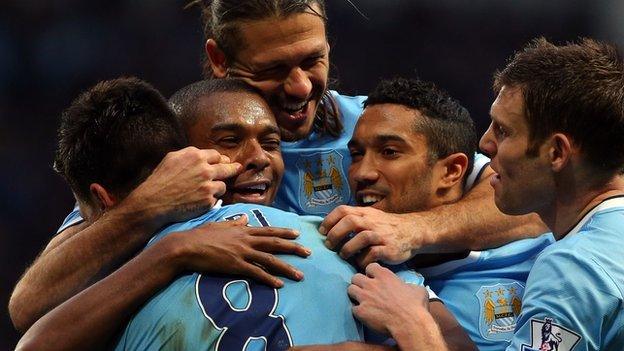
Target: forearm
(474, 223)
(77, 262)
(91, 318)
(453, 333)
(418, 331)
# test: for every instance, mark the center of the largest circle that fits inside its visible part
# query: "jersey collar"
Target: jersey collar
(608, 203)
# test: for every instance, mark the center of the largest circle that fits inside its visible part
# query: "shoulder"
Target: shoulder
(350, 107)
(519, 250)
(170, 318)
(570, 296)
(606, 225)
(570, 283)
(571, 263)
(347, 99)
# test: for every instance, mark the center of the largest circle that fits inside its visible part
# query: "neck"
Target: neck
(569, 208)
(448, 196)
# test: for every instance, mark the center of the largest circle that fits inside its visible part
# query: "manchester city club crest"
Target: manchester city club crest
(323, 184)
(499, 307)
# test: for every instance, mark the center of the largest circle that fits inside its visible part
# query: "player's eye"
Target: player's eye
(356, 154)
(273, 72)
(311, 62)
(229, 142)
(389, 152)
(499, 131)
(271, 144)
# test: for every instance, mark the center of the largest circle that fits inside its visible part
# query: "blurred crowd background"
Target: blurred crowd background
(52, 50)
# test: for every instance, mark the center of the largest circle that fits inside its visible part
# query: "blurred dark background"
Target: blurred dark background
(52, 50)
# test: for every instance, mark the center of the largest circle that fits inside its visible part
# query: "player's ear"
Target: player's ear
(450, 170)
(216, 59)
(102, 198)
(560, 151)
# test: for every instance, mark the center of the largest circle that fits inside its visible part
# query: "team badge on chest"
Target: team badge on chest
(499, 307)
(322, 182)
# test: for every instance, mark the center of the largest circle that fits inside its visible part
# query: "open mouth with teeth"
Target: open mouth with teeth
(251, 193)
(369, 200)
(252, 189)
(294, 114)
(294, 108)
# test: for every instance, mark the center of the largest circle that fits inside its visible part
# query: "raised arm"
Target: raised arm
(472, 223)
(183, 185)
(90, 319)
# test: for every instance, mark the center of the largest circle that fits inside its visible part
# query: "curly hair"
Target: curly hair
(447, 125)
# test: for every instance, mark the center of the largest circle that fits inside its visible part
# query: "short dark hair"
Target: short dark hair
(577, 89)
(184, 102)
(447, 125)
(115, 134)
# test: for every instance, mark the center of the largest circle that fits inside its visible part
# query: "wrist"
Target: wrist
(422, 230)
(404, 335)
(170, 253)
(410, 327)
(404, 319)
(139, 213)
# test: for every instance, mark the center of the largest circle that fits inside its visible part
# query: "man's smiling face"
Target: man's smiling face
(241, 126)
(287, 58)
(390, 168)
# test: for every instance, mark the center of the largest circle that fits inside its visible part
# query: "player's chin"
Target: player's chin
(507, 205)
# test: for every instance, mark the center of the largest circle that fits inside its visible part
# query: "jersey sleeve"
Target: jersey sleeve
(73, 218)
(568, 302)
(480, 163)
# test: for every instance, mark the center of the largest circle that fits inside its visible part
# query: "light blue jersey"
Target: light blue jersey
(574, 294)
(316, 173)
(484, 290)
(225, 312)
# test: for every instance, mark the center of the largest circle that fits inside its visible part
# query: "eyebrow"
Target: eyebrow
(498, 121)
(316, 52)
(226, 127)
(383, 138)
(378, 139)
(237, 127)
(270, 129)
(512, 113)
